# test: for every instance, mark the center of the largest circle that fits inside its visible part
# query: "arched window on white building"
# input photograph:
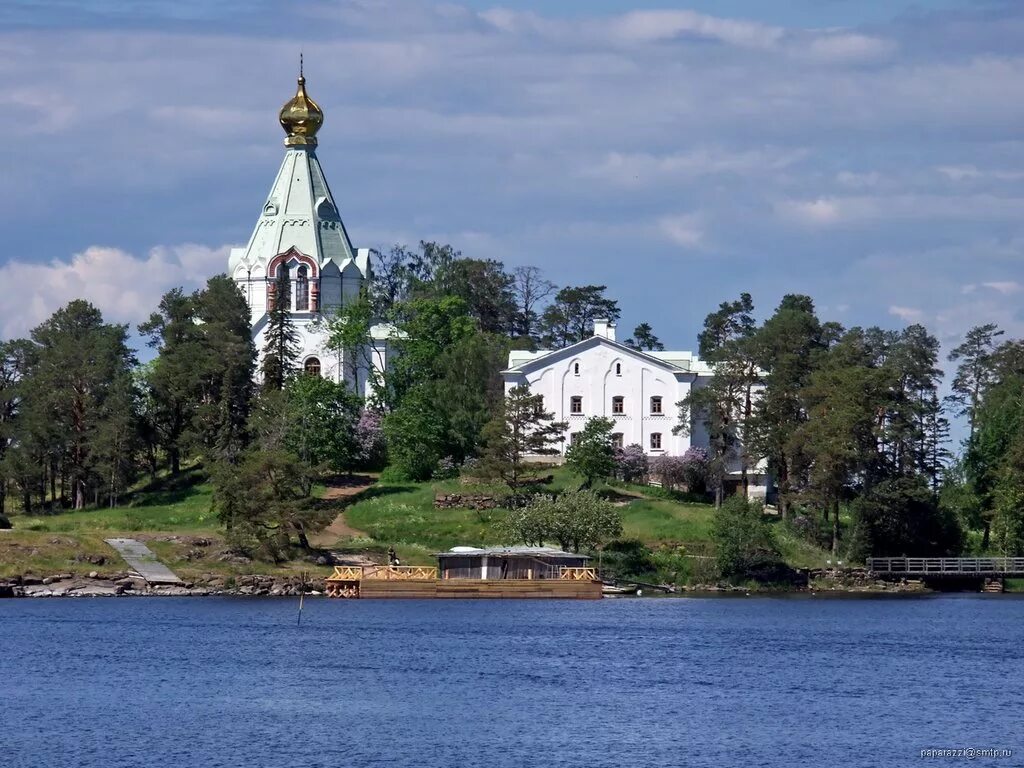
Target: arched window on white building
(312, 366)
(302, 289)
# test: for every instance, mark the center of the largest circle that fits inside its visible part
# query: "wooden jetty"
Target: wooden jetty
(467, 573)
(984, 574)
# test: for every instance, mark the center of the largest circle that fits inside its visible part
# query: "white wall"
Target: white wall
(636, 379)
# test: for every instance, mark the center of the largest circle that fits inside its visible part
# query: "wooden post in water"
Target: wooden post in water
(302, 594)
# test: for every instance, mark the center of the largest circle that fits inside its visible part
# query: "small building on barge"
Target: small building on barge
(469, 572)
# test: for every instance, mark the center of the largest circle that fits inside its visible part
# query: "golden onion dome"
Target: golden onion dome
(301, 117)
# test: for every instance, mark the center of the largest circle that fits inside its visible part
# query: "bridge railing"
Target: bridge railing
(947, 565)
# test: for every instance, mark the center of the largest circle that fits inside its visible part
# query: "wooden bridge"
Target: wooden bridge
(951, 567)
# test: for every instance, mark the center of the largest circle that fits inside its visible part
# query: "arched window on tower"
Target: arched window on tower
(312, 366)
(279, 288)
(302, 289)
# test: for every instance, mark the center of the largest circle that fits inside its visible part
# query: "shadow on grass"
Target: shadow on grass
(170, 490)
(373, 492)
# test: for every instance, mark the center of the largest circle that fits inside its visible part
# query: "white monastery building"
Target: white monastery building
(300, 231)
(637, 390)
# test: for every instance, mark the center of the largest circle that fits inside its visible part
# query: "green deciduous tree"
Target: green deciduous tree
(322, 417)
(591, 454)
(744, 545)
(575, 520)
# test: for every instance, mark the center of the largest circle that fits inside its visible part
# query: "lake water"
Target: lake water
(663, 682)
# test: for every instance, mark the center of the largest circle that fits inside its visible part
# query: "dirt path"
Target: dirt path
(339, 490)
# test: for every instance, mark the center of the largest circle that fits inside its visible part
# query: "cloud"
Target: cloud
(906, 314)
(913, 206)
(642, 168)
(124, 287)
(1005, 287)
(847, 47)
(684, 230)
(651, 26)
(813, 212)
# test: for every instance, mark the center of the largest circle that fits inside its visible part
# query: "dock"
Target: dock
(420, 582)
(141, 558)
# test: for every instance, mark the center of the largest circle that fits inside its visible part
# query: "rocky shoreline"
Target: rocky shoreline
(124, 584)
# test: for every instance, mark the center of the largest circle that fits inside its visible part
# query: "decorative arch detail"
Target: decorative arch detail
(292, 253)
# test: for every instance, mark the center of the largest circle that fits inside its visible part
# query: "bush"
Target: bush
(628, 558)
(5, 523)
(689, 470)
(394, 474)
(744, 546)
(446, 469)
(900, 517)
(631, 463)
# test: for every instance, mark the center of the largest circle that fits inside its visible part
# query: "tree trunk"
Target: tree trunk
(783, 489)
(26, 501)
(175, 461)
(986, 536)
(835, 529)
(53, 482)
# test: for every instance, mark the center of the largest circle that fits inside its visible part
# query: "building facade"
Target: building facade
(637, 390)
(299, 231)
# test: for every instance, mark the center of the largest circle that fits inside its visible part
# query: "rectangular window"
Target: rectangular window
(616, 440)
(618, 404)
(573, 437)
(656, 441)
(576, 404)
(655, 405)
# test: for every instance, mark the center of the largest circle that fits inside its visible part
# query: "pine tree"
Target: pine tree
(787, 347)
(281, 348)
(643, 338)
(226, 377)
(520, 430)
(174, 377)
(727, 342)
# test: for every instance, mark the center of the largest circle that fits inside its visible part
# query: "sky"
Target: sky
(865, 152)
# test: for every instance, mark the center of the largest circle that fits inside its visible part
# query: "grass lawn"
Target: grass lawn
(184, 506)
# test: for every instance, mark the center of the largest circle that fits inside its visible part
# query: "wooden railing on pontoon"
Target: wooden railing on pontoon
(578, 574)
(346, 573)
(383, 573)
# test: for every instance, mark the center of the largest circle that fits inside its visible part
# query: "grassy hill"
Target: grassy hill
(666, 537)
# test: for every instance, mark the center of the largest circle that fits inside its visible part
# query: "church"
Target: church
(300, 231)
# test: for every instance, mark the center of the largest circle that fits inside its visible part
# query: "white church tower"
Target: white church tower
(300, 231)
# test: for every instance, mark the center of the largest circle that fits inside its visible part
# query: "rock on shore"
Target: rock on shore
(97, 584)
